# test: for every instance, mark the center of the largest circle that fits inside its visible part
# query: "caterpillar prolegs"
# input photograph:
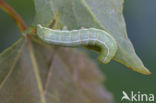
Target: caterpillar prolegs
(82, 37)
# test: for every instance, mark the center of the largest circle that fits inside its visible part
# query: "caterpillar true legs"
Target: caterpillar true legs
(82, 37)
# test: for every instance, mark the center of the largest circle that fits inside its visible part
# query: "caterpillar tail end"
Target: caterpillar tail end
(103, 59)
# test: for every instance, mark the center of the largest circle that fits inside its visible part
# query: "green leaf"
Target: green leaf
(102, 14)
(56, 78)
(44, 12)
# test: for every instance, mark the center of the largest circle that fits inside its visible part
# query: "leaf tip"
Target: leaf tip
(142, 70)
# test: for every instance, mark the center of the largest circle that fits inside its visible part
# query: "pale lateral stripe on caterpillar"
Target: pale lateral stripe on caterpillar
(80, 41)
(82, 37)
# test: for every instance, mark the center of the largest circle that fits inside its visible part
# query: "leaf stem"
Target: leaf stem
(20, 23)
(9, 10)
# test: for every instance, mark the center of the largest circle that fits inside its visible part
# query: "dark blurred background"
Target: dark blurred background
(140, 17)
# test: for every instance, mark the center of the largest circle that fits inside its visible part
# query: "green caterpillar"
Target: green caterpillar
(82, 37)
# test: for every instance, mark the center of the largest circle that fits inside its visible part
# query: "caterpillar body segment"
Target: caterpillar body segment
(82, 37)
